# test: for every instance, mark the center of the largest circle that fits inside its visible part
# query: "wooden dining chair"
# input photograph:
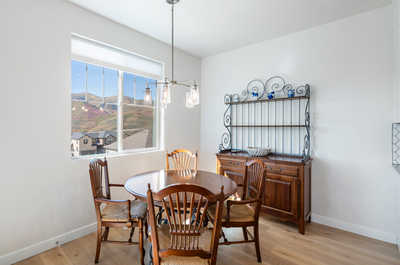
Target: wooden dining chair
(184, 239)
(181, 159)
(245, 213)
(112, 213)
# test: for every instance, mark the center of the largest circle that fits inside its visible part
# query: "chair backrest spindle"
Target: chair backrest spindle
(97, 170)
(185, 206)
(181, 159)
(255, 182)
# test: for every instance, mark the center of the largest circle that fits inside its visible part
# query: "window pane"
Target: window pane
(110, 85)
(95, 90)
(128, 86)
(138, 123)
(78, 80)
(94, 128)
(93, 143)
(137, 139)
(93, 117)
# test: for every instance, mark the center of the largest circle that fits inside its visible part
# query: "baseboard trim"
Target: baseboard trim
(42, 246)
(355, 228)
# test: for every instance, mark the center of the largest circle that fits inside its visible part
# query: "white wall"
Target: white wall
(349, 64)
(396, 93)
(43, 192)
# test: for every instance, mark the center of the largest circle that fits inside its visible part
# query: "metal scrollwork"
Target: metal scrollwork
(243, 111)
(274, 84)
(226, 140)
(300, 90)
(255, 89)
(303, 90)
(244, 95)
(227, 119)
(307, 144)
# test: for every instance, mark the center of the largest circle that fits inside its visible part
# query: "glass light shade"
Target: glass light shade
(147, 96)
(192, 97)
(166, 95)
(189, 101)
(194, 93)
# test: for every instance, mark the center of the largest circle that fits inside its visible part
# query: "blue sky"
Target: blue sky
(78, 81)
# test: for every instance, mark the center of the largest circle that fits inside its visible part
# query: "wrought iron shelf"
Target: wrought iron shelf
(267, 100)
(283, 126)
(267, 126)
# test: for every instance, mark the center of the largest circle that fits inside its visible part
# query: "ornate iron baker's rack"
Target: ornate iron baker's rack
(272, 114)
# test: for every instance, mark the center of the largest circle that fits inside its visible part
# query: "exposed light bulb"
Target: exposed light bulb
(83, 108)
(73, 108)
(101, 109)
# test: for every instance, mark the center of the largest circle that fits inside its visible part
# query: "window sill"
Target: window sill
(118, 154)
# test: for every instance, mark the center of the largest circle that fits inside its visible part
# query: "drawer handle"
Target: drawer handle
(277, 169)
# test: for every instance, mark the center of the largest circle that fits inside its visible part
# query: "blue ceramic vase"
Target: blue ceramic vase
(271, 95)
(291, 93)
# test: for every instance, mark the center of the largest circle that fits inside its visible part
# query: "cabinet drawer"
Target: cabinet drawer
(232, 163)
(282, 169)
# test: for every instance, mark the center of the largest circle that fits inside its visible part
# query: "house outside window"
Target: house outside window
(108, 110)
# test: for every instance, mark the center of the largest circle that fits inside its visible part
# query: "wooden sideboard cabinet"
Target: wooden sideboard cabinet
(287, 184)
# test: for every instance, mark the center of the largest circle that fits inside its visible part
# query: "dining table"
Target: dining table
(137, 185)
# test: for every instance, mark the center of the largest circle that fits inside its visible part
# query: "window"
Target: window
(108, 106)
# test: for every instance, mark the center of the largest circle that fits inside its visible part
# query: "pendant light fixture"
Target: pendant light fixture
(147, 95)
(192, 97)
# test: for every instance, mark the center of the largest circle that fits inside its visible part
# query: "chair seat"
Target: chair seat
(119, 213)
(238, 213)
(164, 239)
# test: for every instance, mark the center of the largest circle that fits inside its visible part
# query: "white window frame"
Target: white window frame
(159, 113)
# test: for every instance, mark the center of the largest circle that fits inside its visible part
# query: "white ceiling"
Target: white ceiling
(207, 27)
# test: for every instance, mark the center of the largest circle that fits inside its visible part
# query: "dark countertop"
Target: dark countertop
(271, 157)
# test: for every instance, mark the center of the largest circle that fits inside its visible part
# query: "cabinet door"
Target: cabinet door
(281, 193)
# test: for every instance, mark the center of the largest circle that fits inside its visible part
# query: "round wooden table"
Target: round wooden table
(137, 185)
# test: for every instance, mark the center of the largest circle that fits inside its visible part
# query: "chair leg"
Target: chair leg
(131, 234)
(223, 236)
(146, 228)
(96, 259)
(257, 242)
(244, 229)
(105, 235)
(141, 247)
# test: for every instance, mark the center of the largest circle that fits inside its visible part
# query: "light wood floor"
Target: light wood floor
(280, 245)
